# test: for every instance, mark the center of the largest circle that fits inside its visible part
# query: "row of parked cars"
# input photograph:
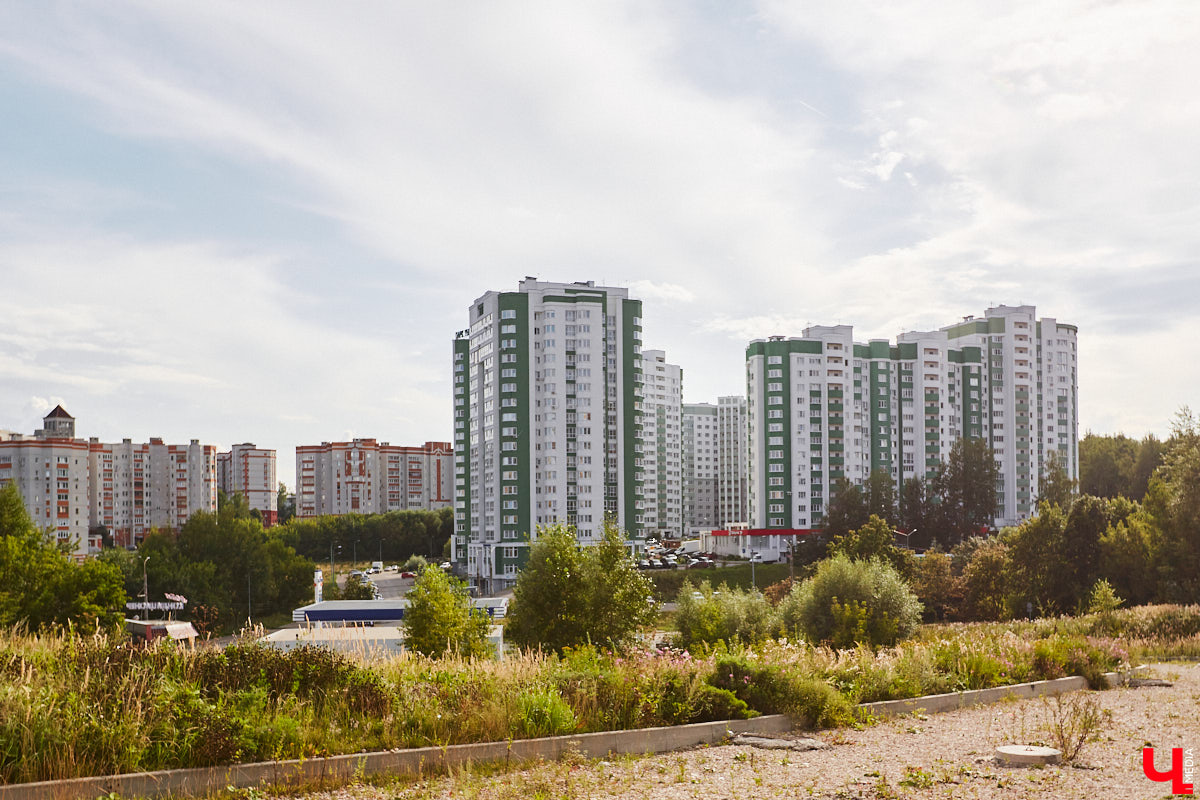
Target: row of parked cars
(659, 556)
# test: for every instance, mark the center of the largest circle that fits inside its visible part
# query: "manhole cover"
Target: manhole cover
(1023, 755)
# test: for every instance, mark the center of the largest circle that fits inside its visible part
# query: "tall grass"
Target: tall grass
(73, 706)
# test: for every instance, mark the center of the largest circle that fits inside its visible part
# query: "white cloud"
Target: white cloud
(669, 292)
(1046, 153)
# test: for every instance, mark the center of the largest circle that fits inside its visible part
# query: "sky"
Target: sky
(264, 222)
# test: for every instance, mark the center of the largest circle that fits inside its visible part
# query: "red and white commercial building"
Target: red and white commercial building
(369, 477)
(250, 471)
(50, 469)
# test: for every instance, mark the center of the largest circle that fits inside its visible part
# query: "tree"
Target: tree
(1176, 506)
(356, 589)
(41, 587)
(969, 478)
(1056, 486)
(619, 597)
(875, 539)
(1128, 554)
(880, 494)
(566, 596)
(985, 578)
(285, 505)
(937, 587)
(549, 604)
(439, 618)
(847, 509)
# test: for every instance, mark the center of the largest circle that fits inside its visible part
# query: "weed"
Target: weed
(1073, 721)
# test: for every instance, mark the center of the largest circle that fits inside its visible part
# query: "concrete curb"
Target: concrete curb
(938, 703)
(201, 781)
(205, 780)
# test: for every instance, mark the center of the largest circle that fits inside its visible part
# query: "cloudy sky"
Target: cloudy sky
(265, 221)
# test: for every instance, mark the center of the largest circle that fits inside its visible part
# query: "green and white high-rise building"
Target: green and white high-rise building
(823, 407)
(547, 421)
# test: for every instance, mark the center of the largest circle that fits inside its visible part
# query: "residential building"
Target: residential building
(134, 487)
(823, 407)
(732, 462)
(250, 471)
(661, 457)
(50, 469)
(548, 397)
(365, 476)
(701, 453)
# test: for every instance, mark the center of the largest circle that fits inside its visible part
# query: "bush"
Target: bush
(723, 615)
(770, 689)
(851, 602)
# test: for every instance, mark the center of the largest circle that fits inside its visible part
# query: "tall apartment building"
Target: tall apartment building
(250, 471)
(369, 477)
(134, 487)
(50, 469)
(701, 450)
(74, 486)
(822, 407)
(732, 462)
(661, 457)
(715, 446)
(548, 402)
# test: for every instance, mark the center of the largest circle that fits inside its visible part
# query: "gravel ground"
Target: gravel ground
(940, 756)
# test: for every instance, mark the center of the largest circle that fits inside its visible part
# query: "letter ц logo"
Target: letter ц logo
(1176, 773)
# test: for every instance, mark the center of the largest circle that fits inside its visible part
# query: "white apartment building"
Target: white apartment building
(661, 456)
(365, 476)
(135, 487)
(823, 407)
(250, 471)
(50, 470)
(548, 399)
(732, 462)
(701, 454)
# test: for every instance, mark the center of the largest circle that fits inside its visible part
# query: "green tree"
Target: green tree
(1176, 506)
(619, 597)
(440, 620)
(285, 505)
(875, 539)
(969, 481)
(937, 587)
(1056, 486)
(1038, 573)
(985, 578)
(567, 596)
(356, 588)
(847, 509)
(1128, 555)
(41, 587)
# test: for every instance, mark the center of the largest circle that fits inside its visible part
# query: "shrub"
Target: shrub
(723, 615)
(542, 712)
(850, 602)
(770, 689)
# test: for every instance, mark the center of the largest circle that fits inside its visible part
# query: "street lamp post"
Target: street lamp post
(906, 537)
(146, 587)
